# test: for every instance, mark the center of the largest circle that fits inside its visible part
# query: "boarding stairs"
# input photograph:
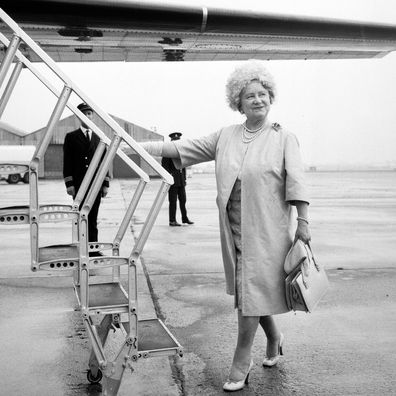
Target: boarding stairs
(103, 305)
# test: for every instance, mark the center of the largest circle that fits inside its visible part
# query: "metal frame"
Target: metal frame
(100, 317)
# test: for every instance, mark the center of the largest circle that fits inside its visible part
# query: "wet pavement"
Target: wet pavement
(346, 347)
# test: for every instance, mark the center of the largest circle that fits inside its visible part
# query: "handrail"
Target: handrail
(77, 112)
(118, 134)
(10, 86)
(12, 48)
(104, 116)
(88, 191)
(78, 199)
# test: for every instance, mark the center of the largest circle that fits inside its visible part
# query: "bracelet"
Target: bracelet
(302, 219)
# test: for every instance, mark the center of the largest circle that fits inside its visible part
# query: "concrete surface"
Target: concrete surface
(346, 347)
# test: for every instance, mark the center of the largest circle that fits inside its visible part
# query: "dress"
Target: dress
(272, 178)
(234, 217)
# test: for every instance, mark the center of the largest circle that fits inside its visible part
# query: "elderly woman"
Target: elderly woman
(259, 177)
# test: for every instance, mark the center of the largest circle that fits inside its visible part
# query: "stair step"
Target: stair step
(66, 258)
(52, 213)
(14, 215)
(49, 213)
(107, 261)
(106, 296)
(99, 246)
(58, 257)
(154, 338)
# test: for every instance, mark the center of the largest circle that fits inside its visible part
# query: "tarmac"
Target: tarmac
(347, 346)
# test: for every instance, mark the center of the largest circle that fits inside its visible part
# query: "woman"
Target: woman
(259, 177)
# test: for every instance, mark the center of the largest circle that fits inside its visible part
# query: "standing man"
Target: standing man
(78, 150)
(177, 190)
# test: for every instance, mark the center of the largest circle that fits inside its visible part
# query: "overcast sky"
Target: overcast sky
(343, 111)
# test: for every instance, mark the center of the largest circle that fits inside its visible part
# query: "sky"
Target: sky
(343, 111)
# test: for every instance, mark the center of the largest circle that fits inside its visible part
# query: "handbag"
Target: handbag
(306, 282)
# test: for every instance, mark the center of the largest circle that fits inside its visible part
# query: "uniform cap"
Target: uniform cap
(84, 107)
(175, 135)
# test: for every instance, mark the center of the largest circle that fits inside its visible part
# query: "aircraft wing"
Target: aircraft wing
(137, 31)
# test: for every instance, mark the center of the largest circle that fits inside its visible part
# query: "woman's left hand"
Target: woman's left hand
(303, 232)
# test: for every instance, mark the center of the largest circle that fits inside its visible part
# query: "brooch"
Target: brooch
(276, 126)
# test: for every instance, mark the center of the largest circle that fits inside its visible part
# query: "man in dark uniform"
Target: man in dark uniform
(177, 190)
(78, 150)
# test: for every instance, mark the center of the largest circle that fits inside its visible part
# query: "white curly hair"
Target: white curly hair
(242, 76)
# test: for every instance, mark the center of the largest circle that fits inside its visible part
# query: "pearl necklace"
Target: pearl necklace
(248, 135)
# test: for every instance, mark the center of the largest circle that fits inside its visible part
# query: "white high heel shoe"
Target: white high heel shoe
(231, 386)
(269, 362)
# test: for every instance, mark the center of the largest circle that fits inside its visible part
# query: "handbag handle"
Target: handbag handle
(309, 250)
(305, 267)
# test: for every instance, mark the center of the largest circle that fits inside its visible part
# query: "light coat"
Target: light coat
(272, 177)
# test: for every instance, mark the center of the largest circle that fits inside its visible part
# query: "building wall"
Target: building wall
(8, 138)
(52, 165)
(121, 170)
(53, 160)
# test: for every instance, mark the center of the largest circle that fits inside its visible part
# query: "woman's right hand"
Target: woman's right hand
(302, 232)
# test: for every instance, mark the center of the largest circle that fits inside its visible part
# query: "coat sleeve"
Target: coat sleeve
(296, 189)
(196, 151)
(68, 162)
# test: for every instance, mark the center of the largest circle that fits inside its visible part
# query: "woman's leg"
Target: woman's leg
(247, 327)
(272, 333)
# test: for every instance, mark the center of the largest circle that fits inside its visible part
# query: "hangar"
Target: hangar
(51, 167)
